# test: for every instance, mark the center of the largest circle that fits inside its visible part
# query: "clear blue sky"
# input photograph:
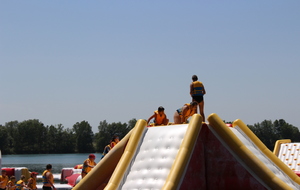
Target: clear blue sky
(63, 62)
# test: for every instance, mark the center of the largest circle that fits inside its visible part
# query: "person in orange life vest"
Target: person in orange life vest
(11, 183)
(181, 115)
(197, 91)
(3, 180)
(21, 184)
(88, 165)
(159, 116)
(115, 140)
(106, 150)
(32, 181)
(48, 181)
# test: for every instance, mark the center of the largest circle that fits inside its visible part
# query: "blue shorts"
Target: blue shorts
(197, 99)
(179, 111)
(47, 188)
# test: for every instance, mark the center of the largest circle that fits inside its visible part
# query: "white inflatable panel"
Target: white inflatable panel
(153, 160)
(261, 156)
(290, 154)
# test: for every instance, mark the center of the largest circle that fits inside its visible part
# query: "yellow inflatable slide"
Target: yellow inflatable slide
(190, 156)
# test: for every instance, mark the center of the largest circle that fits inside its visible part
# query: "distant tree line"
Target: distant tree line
(33, 137)
(269, 132)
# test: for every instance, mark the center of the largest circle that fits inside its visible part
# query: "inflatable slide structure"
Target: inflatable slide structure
(190, 156)
(289, 153)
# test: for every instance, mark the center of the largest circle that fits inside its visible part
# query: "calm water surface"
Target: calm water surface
(38, 162)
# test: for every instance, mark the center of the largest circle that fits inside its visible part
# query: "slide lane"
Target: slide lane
(215, 157)
(253, 155)
(151, 158)
(160, 159)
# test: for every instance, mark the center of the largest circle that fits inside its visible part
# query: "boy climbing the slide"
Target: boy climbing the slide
(159, 116)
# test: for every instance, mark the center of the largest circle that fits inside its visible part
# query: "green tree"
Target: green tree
(66, 139)
(52, 142)
(30, 137)
(3, 140)
(269, 132)
(131, 124)
(102, 138)
(107, 131)
(83, 137)
(11, 127)
(59, 140)
(287, 131)
(266, 132)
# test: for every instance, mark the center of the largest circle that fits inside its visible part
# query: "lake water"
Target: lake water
(38, 162)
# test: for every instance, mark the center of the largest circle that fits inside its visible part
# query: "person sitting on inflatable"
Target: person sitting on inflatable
(159, 116)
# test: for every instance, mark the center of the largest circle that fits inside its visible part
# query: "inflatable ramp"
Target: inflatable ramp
(190, 156)
(147, 158)
(288, 153)
(257, 167)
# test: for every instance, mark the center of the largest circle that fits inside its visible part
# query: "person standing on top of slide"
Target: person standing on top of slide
(197, 92)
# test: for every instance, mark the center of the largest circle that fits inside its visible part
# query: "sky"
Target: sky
(64, 62)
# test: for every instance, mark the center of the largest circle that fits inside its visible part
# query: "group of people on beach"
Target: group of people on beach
(181, 115)
(7, 183)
